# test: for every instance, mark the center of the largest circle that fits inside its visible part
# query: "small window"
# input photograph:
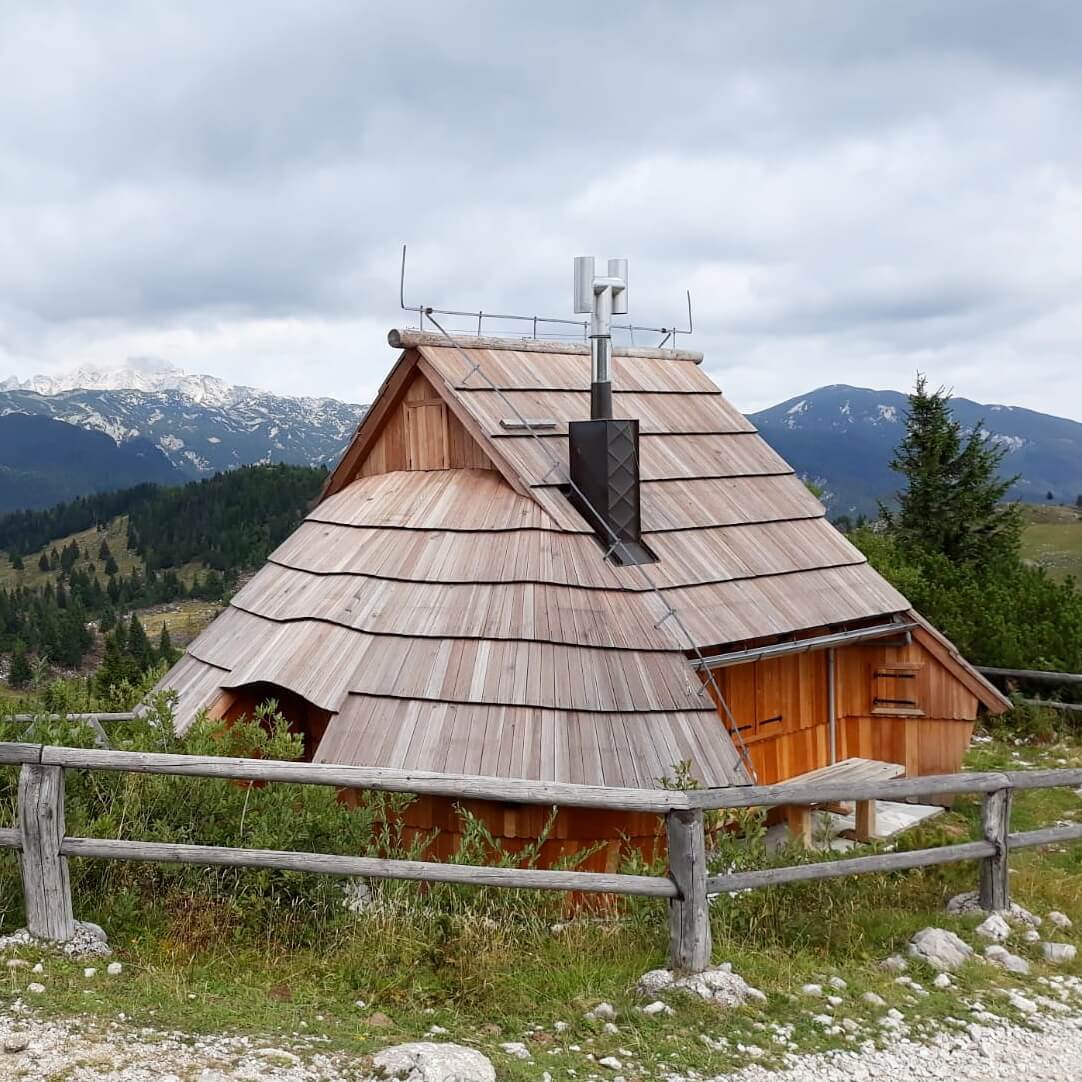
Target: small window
(895, 690)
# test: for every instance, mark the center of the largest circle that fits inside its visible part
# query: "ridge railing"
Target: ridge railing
(44, 846)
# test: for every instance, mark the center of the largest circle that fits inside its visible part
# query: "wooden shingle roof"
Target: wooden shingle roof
(466, 619)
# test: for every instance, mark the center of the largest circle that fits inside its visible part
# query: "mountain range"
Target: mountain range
(200, 423)
(842, 438)
(168, 426)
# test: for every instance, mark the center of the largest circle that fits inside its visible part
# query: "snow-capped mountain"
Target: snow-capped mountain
(842, 438)
(201, 423)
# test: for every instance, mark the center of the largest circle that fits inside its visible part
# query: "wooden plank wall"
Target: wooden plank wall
(780, 708)
(420, 433)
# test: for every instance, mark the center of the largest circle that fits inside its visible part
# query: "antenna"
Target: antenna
(602, 298)
(548, 326)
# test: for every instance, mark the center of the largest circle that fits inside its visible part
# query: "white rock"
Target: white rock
(516, 1049)
(837, 982)
(835, 1001)
(1058, 953)
(437, 1031)
(602, 1010)
(894, 964)
(427, 1061)
(718, 984)
(17, 963)
(611, 1062)
(1060, 920)
(15, 1043)
(89, 972)
(1031, 935)
(994, 927)
(941, 949)
(657, 1007)
(561, 1027)
(39, 968)
(1021, 1003)
(114, 969)
(654, 982)
(812, 989)
(610, 1028)
(1000, 956)
(873, 999)
(35, 989)
(969, 903)
(942, 981)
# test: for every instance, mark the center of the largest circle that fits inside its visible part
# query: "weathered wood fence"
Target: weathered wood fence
(45, 847)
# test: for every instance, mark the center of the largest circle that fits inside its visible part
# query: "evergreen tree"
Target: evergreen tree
(104, 552)
(43, 562)
(952, 502)
(20, 673)
(111, 567)
(16, 562)
(166, 652)
(139, 645)
(54, 560)
(1050, 496)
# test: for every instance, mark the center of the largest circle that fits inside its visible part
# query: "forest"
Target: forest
(225, 525)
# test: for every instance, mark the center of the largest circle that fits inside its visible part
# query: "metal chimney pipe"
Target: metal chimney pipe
(602, 297)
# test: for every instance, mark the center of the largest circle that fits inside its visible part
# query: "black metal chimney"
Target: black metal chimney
(604, 451)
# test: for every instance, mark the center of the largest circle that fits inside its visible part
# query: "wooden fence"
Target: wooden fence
(41, 839)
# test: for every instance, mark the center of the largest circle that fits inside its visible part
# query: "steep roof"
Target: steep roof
(466, 620)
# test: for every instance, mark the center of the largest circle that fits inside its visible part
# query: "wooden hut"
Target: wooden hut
(445, 607)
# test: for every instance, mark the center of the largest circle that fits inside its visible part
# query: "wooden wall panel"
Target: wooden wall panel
(421, 433)
(939, 693)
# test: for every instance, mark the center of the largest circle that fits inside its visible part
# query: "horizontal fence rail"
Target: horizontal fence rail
(44, 848)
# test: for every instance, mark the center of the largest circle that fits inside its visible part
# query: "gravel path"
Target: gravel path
(85, 1051)
(1049, 1052)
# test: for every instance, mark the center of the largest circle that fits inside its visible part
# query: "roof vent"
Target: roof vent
(604, 451)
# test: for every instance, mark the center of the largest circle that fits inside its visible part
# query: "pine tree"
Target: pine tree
(952, 502)
(111, 567)
(16, 562)
(54, 560)
(43, 562)
(21, 672)
(104, 551)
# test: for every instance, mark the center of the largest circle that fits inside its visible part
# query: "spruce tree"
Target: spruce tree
(166, 652)
(139, 645)
(21, 672)
(43, 562)
(16, 562)
(104, 552)
(952, 500)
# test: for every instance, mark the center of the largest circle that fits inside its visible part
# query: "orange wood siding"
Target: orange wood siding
(780, 709)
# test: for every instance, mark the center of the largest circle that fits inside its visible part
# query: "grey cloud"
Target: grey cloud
(847, 187)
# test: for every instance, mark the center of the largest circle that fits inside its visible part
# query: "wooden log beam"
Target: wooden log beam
(1039, 676)
(1044, 779)
(12, 754)
(44, 870)
(817, 792)
(996, 823)
(833, 869)
(648, 886)
(1026, 839)
(10, 838)
(689, 914)
(464, 787)
(1053, 704)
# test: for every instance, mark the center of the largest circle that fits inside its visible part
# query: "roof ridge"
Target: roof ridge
(410, 339)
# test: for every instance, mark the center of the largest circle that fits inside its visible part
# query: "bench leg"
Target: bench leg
(800, 825)
(865, 830)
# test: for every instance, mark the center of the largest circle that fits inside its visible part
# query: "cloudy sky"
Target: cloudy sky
(852, 191)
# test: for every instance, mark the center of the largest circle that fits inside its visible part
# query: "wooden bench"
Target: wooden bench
(850, 770)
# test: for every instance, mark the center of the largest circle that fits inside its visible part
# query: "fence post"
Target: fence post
(996, 823)
(689, 915)
(45, 872)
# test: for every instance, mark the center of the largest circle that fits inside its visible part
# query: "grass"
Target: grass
(1053, 539)
(89, 543)
(491, 967)
(185, 619)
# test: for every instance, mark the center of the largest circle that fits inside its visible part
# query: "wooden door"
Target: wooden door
(426, 436)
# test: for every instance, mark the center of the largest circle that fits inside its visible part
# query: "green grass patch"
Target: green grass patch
(275, 955)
